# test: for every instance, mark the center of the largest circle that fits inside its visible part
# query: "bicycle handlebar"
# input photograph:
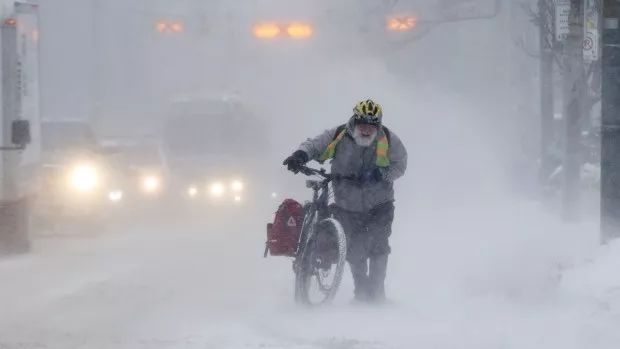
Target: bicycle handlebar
(309, 171)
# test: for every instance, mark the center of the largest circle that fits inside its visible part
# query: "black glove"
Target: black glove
(296, 161)
(373, 176)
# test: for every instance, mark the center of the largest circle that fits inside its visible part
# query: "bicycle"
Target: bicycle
(322, 248)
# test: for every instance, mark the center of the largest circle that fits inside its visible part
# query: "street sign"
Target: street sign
(562, 13)
(591, 50)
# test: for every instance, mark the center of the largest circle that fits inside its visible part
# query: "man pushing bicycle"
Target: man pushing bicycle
(367, 158)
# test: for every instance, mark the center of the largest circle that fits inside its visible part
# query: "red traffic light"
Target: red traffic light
(271, 30)
(401, 23)
(168, 26)
(12, 22)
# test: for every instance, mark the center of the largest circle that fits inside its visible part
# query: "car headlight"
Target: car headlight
(151, 184)
(217, 189)
(192, 191)
(84, 178)
(236, 186)
(115, 195)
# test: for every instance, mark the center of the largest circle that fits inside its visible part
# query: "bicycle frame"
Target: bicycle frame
(307, 263)
(317, 209)
(320, 197)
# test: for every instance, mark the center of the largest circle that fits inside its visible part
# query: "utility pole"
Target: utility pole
(573, 93)
(610, 133)
(545, 12)
(97, 76)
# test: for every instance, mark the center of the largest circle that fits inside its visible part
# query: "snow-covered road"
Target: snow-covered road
(204, 286)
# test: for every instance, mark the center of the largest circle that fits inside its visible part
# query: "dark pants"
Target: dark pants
(368, 248)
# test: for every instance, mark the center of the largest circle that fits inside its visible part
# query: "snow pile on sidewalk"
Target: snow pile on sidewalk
(595, 284)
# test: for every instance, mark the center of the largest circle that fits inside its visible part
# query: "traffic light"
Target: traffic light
(266, 30)
(272, 30)
(169, 26)
(11, 22)
(177, 27)
(401, 23)
(299, 30)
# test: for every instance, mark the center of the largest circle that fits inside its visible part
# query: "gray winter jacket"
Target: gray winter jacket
(352, 159)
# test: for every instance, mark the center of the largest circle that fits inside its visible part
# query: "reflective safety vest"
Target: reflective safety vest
(383, 147)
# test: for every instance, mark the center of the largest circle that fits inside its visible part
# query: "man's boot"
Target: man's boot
(359, 270)
(376, 277)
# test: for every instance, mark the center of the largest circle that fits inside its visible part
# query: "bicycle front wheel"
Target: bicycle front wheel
(321, 265)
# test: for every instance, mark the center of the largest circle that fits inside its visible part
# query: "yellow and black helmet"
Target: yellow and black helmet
(368, 112)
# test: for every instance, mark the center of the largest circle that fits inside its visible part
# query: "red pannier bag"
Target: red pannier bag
(283, 233)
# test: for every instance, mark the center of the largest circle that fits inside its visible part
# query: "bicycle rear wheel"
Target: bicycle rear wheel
(321, 265)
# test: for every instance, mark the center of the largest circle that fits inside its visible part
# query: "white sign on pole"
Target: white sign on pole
(591, 50)
(562, 13)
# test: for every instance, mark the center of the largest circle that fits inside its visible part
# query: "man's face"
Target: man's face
(365, 134)
(367, 130)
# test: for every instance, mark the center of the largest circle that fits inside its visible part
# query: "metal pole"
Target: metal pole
(545, 10)
(96, 74)
(610, 133)
(573, 89)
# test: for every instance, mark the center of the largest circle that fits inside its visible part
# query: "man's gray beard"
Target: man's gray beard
(361, 140)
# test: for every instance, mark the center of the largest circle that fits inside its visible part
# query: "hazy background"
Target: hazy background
(462, 85)
(476, 263)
